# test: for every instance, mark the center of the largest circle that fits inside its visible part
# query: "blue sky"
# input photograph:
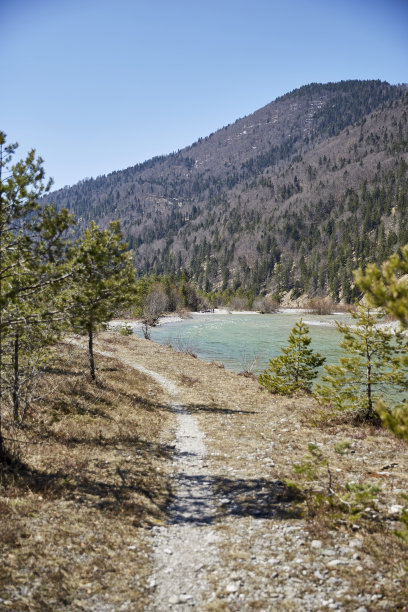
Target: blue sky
(97, 85)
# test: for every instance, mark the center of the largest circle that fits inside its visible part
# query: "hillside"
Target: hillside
(292, 197)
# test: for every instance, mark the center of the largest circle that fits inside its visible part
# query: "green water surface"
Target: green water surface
(237, 339)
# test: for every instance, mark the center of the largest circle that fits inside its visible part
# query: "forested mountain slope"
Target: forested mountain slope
(292, 197)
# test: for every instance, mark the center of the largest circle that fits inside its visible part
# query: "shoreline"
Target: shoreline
(176, 318)
(324, 321)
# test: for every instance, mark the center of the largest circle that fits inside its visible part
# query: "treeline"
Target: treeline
(49, 283)
(157, 295)
(311, 250)
(364, 226)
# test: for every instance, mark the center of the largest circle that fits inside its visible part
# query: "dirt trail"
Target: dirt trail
(186, 548)
(235, 537)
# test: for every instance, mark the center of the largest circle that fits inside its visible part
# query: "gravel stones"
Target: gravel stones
(185, 550)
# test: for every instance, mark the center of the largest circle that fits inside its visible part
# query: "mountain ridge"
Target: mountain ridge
(236, 207)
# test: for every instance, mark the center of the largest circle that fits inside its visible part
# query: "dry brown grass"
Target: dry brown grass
(282, 429)
(91, 476)
(72, 520)
(255, 440)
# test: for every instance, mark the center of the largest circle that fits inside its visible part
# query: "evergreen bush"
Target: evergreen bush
(296, 368)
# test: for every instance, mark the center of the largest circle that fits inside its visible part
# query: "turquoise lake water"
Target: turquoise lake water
(237, 339)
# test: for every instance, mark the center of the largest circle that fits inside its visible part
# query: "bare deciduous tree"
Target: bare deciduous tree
(155, 304)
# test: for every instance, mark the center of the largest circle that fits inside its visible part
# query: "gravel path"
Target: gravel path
(185, 549)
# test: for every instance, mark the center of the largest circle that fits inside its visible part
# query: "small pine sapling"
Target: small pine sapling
(370, 366)
(387, 287)
(296, 368)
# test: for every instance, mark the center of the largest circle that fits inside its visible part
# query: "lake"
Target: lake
(236, 340)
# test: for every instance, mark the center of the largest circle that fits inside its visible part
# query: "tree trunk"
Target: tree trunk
(91, 355)
(368, 384)
(16, 377)
(1, 381)
(1, 290)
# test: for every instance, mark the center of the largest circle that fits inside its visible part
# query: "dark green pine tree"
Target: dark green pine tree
(32, 271)
(296, 368)
(371, 365)
(104, 279)
(387, 287)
